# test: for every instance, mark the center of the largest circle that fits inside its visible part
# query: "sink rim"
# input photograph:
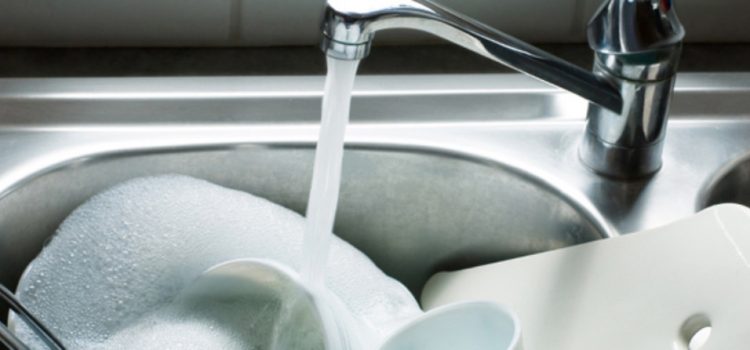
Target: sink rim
(83, 152)
(232, 100)
(31, 134)
(717, 178)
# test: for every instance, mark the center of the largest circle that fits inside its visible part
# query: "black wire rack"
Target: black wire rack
(10, 340)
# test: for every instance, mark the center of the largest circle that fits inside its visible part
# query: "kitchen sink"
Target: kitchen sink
(414, 213)
(441, 172)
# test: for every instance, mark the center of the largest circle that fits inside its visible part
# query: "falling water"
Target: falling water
(324, 194)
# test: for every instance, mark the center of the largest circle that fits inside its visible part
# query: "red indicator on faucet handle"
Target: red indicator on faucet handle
(666, 5)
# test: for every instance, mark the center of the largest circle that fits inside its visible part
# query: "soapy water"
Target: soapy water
(131, 250)
(106, 278)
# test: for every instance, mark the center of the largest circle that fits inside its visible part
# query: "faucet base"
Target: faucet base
(618, 162)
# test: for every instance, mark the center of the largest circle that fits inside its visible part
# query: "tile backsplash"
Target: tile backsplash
(295, 22)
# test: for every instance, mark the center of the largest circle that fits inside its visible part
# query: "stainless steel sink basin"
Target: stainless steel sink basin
(414, 213)
(428, 184)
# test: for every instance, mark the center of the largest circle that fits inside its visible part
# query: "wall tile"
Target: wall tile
(293, 22)
(717, 21)
(281, 22)
(296, 22)
(122, 22)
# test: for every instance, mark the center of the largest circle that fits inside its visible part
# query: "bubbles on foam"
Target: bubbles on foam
(135, 246)
(168, 333)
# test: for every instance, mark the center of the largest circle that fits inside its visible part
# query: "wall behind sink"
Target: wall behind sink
(295, 22)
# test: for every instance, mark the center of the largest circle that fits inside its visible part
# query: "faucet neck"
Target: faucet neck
(637, 45)
(348, 32)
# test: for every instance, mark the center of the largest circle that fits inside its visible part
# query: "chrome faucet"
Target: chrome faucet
(637, 45)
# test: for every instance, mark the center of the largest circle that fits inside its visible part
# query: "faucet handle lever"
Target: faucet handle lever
(634, 26)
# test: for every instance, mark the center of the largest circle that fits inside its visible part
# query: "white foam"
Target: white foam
(131, 249)
(165, 333)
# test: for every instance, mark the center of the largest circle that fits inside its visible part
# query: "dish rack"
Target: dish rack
(10, 340)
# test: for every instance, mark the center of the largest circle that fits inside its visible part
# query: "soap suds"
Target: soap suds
(130, 250)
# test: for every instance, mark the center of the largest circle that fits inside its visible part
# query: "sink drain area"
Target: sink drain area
(694, 333)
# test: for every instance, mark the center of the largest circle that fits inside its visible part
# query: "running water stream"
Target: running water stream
(324, 195)
(326, 180)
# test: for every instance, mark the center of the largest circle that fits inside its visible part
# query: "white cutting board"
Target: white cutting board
(634, 292)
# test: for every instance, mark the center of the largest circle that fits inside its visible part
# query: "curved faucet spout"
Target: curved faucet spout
(637, 45)
(350, 26)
